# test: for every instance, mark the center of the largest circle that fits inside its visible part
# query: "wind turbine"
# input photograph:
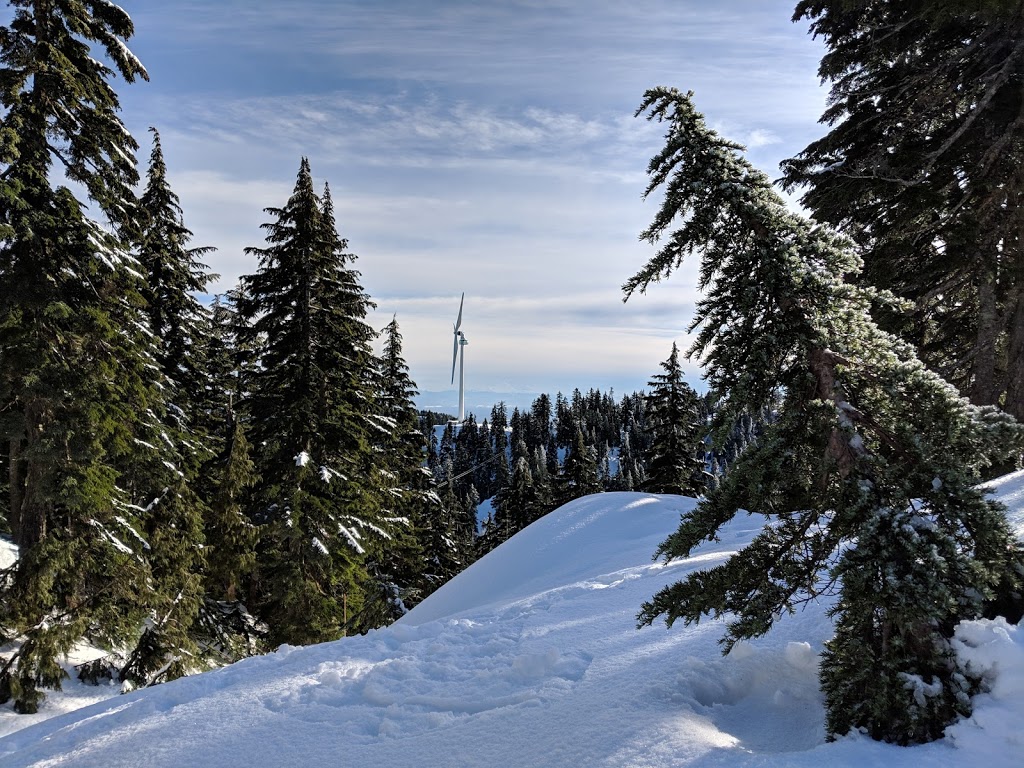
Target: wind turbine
(460, 344)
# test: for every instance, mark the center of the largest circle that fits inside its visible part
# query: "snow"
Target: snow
(531, 657)
(484, 511)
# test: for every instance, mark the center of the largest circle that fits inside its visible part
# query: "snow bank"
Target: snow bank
(994, 651)
(531, 658)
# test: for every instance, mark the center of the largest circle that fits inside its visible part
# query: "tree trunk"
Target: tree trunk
(15, 493)
(984, 388)
(1014, 404)
(34, 503)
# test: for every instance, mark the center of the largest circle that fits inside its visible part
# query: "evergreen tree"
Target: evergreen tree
(543, 485)
(516, 505)
(868, 448)
(174, 525)
(565, 423)
(579, 472)
(226, 626)
(226, 480)
(673, 465)
(82, 410)
(174, 276)
(499, 442)
(396, 564)
(174, 530)
(228, 359)
(307, 414)
(446, 554)
(924, 165)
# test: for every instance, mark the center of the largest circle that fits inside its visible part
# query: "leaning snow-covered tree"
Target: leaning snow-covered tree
(867, 475)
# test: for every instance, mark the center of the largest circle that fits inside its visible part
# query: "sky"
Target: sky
(480, 147)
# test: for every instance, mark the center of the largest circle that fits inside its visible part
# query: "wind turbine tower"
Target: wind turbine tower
(459, 352)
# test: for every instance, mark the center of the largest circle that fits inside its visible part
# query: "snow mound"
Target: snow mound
(573, 547)
(994, 651)
(531, 657)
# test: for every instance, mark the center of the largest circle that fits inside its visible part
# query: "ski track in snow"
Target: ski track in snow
(531, 657)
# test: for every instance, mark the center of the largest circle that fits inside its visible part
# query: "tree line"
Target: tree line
(535, 460)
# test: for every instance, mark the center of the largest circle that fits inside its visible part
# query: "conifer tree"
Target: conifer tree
(174, 523)
(517, 503)
(308, 420)
(923, 165)
(226, 626)
(174, 277)
(446, 555)
(673, 465)
(868, 450)
(79, 393)
(579, 472)
(396, 564)
(499, 442)
(166, 649)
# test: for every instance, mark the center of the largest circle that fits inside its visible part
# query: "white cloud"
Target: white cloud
(485, 147)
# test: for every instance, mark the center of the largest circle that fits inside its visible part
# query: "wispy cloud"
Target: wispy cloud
(485, 147)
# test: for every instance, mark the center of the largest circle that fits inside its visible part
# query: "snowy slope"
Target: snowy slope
(531, 658)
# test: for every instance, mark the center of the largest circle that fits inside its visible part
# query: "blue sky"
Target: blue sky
(485, 147)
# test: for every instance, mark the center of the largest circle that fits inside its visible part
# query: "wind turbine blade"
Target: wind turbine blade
(458, 323)
(455, 355)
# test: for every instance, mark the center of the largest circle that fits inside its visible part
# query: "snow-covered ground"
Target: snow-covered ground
(531, 658)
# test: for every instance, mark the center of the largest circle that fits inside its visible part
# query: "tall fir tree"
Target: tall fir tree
(446, 553)
(175, 523)
(228, 628)
(579, 472)
(79, 385)
(516, 505)
(869, 450)
(675, 461)
(923, 165)
(174, 279)
(308, 404)
(499, 444)
(397, 565)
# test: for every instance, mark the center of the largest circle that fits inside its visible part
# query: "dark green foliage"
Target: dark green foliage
(675, 462)
(885, 670)
(449, 552)
(80, 389)
(579, 472)
(499, 446)
(230, 535)
(923, 165)
(174, 276)
(174, 519)
(865, 443)
(307, 409)
(400, 572)
(517, 504)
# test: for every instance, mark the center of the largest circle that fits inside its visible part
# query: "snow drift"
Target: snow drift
(531, 658)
